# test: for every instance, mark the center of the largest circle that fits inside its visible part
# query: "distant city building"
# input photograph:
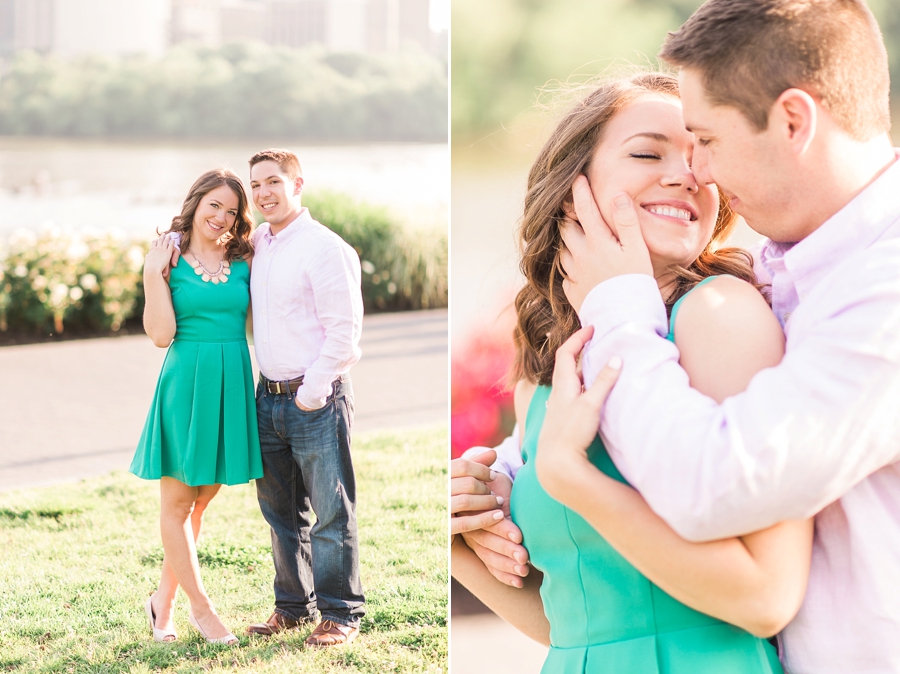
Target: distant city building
(383, 26)
(73, 27)
(347, 25)
(395, 22)
(7, 34)
(116, 27)
(413, 22)
(196, 21)
(243, 20)
(337, 25)
(26, 24)
(296, 23)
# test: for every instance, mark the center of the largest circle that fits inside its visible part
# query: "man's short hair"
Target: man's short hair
(750, 51)
(284, 158)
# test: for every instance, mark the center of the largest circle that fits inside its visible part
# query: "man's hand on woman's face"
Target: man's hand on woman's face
(595, 250)
(475, 492)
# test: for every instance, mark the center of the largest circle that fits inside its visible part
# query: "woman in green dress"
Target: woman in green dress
(620, 591)
(201, 430)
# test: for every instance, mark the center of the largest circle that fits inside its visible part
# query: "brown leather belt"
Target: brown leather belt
(279, 387)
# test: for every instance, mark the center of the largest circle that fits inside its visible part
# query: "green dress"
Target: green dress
(604, 615)
(201, 428)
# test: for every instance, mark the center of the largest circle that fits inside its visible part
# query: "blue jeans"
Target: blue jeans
(306, 461)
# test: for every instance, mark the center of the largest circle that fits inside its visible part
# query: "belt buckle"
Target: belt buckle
(278, 389)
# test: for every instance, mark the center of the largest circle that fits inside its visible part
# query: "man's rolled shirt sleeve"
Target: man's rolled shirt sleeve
(336, 288)
(801, 435)
(509, 455)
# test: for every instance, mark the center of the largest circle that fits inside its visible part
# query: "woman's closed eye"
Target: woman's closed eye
(645, 155)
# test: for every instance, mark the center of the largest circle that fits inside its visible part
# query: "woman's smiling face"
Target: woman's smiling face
(215, 213)
(646, 152)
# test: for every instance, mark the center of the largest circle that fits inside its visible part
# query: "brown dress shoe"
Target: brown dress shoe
(328, 633)
(275, 624)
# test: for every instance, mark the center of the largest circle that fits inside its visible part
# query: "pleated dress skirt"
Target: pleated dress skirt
(201, 428)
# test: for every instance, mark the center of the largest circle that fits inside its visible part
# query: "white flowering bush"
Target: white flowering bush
(53, 283)
(76, 284)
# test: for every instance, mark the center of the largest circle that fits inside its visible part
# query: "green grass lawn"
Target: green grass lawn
(78, 561)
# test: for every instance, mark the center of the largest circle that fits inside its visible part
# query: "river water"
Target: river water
(136, 186)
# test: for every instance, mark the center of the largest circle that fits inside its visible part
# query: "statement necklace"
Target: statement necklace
(218, 276)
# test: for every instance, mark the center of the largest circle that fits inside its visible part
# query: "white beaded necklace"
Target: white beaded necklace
(218, 276)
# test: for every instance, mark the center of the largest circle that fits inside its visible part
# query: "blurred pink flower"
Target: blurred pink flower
(481, 403)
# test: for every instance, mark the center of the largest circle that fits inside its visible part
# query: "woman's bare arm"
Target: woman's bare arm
(726, 333)
(520, 607)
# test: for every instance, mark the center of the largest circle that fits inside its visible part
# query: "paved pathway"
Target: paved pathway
(75, 409)
(484, 643)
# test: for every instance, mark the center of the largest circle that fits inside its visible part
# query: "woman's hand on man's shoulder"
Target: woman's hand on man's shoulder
(158, 260)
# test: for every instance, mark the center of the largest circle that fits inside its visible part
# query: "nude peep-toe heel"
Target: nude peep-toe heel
(162, 636)
(229, 639)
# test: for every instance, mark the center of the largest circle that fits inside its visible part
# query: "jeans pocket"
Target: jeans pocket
(329, 401)
(314, 426)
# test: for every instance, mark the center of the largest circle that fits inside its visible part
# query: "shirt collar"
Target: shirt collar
(852, 229)
(289, 232)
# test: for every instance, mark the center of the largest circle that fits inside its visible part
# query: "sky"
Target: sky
(439, 15)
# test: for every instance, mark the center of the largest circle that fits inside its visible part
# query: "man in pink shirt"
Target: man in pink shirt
(307, 318)
(788, 100)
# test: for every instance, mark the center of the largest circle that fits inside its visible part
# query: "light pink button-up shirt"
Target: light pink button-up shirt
(307, 306)
(819, 433)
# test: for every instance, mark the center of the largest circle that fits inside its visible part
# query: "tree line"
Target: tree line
(246, 90)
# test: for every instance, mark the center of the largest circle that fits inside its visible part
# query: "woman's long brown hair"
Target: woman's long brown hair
(544, 317)
(237, 239)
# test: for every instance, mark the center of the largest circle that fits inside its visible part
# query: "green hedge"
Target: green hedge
(401, 268)
(56, 283)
